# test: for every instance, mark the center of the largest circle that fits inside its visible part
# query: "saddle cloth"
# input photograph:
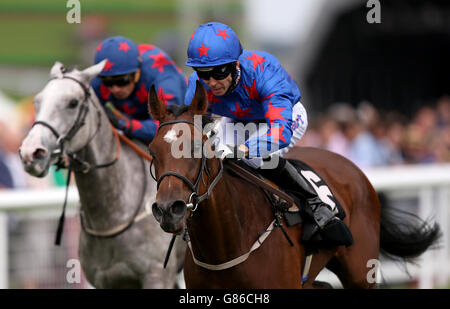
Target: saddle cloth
(320, 186)
(303, 212)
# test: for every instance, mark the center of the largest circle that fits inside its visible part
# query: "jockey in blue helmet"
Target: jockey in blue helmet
(252, 87)
(127, 76)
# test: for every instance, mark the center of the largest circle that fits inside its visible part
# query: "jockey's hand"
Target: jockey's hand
(231, 151)
(117, 119)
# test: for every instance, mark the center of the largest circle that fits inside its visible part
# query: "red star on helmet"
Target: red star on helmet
(252, 92)
(99, 47)
(241, 113)
(108, 65)
(160, 61)
(222, 33)
(124, 46)
(256, 59)
(276, 133)
(142, 94)
(203, 50)
(274, 113)
(164, 96)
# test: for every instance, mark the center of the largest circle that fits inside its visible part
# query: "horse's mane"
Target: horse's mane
(178, 110)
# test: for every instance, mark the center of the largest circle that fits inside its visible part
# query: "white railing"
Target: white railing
(429, 184)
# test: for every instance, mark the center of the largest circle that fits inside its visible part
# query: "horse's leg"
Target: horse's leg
(319, 261)
(351, 264)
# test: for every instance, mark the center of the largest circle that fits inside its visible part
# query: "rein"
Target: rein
(86, 167)
(194, 200)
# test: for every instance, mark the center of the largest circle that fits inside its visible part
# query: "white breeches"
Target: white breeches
(234, 134)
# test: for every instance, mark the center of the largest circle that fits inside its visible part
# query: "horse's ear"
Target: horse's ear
(92, 71)
(156, 107)
(57, 70)
(199, 104)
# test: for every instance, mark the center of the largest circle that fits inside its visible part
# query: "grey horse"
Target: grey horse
(121, 245)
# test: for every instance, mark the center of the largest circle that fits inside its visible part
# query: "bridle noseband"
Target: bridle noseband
(194, 198)
(77, 125)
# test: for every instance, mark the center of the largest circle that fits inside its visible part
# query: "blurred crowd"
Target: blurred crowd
(367, 136)
(370, 137)
(15, 122)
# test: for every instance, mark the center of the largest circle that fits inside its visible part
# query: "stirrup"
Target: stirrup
(323, 215)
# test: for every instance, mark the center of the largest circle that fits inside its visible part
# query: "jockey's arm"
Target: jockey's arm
(278, 113)
(143, 130)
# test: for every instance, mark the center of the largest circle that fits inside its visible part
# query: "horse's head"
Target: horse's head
(60, 114)
(179, 156)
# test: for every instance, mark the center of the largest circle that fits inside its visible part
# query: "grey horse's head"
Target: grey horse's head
(57, 108)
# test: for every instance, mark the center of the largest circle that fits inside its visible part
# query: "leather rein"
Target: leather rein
(85, 167)
(195, 199)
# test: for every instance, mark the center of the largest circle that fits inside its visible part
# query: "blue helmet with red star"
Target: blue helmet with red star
(213, 44)
(122, 54)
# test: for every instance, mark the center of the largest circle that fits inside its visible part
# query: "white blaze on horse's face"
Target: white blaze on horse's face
(171, 136)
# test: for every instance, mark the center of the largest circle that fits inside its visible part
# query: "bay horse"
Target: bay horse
(119, 245)
(224, 214)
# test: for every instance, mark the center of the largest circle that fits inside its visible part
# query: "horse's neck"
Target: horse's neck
(104, 191)
(228, 223)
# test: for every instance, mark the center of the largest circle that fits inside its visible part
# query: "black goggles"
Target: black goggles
(119, 80)
(218, 72)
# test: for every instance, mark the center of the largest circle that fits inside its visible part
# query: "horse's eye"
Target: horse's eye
(73, 103)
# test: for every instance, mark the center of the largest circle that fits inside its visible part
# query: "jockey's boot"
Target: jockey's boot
(328, 229)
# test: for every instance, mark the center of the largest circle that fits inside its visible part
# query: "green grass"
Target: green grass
(36, 33)
(28, 43)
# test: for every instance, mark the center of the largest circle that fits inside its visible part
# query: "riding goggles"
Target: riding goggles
(118, 80)
(217, 72)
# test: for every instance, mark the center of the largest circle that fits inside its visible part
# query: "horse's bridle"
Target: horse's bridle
(194, 198)
(77, 125)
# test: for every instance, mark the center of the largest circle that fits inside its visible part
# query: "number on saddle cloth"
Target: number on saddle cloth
(320, 187)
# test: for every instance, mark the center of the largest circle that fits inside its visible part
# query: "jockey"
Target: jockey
(252, 87)
(128, 74)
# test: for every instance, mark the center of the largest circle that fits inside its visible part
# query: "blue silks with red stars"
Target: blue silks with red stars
(158, 69)
(265, 93)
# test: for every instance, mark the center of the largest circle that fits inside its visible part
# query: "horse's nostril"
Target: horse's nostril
(39, 153)
(157, 212)
(178, 208)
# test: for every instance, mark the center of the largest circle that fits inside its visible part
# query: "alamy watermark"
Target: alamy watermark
(374, 14)
(73, 275)
(184, 144)
(374, 267)
(73, 16)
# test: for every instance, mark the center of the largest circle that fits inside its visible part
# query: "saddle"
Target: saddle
(292, 206)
